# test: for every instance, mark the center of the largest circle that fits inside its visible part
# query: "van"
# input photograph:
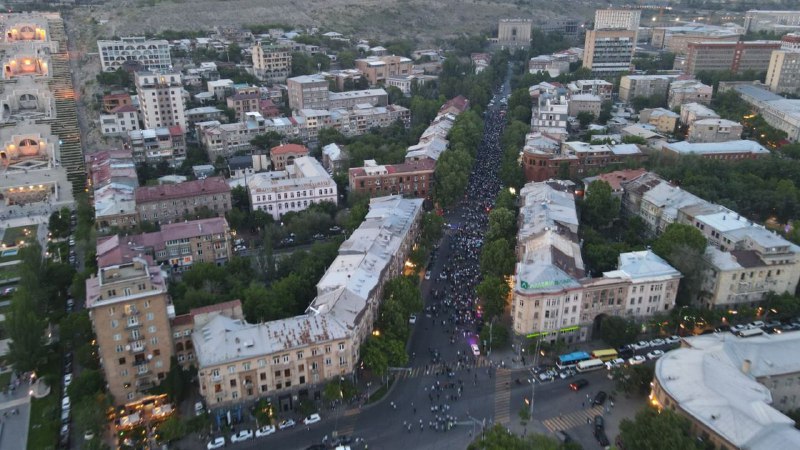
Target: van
(750, 332)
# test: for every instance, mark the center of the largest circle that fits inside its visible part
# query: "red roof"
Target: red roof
(460, 103)
(175, 130)
(124, 108)
(183, 319)
(616, 178)
(218, 307)
(116, 96)
(288, 148)
(411, 166)
(210, 185)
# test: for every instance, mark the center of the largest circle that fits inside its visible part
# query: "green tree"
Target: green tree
(89, 413)
(172, 429)
(634, 379)
(658, 430)
(502, 224)
(600, 207)
(373, 357)
(26, 329)
(494, 337)
(585, 118)
(499, 438)
(617, 331)
(493, 292)
(677, 235)
(59, 223)
(86, 384)
(497, 258)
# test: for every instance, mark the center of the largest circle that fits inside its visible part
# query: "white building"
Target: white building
(688, 91)
(161, 99)
(617, 19)
(302, 184)
(272, 63)
(119, 121)
(775, 21)
(691, 112)
(152, 54)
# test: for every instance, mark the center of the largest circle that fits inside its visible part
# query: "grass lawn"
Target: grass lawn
(45, 422)
(9, 258)
(12, 236)
(9, 272)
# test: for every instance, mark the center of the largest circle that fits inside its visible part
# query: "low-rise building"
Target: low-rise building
(302, 184)
(777, 111)
(152, 145)
(728, 150)
(676, 39)
(221, 89)
(203, 114)
(308, 92)
(119, 121)
(112, 101)
(243, 102)
(169, 203)
(771, 21)
(664, 120)
(334, 158)
(406, 83)
(239, 362)
(544, 157)
(284, 155)
(378, 68)
(692, 112)
(589, 103)
(602, 88)
(349, 99)
(632, 86)
(272, 63)
(552, 64)
(734, 391)
(688, 91)
(714, 130)
(410, 179)
(614, 180)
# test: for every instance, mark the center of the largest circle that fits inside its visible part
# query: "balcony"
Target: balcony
(143, 372)
(138, 347)
(132, 324)
(216, 378)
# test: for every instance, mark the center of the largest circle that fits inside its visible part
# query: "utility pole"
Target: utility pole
(533, 380)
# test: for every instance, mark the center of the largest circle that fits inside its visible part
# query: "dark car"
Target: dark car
(602, 439)
(599, 425)
(600, 398)
(578, 384)
(625, 352)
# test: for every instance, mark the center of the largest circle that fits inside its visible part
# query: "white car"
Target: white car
(614, 363)
(428, 275)
(88, 436)
(242, 436)
(412, 319)
(656, 343)
(672, 339)
(288, 423)
(65, 402)
(756, 324)
(655, 354)
(216, 443)
(314, 418)
(198, 409)
(636, 360)
(67, 379)
(475, 350)
(265, 431)
(640, 345)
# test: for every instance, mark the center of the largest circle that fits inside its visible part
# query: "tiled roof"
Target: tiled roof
(210, 185)
(288, 148)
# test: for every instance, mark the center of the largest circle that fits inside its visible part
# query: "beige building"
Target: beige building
(130, 311)
(632, 86)
(664, 120)
(161, 99)
(290, 359)
(152, 54)
(609, 52)
(243, 103)
(378, 68)
(783, 74)
(617, 19)
(284, 155)
(733, 390)
(302, 184)
(714, 130)
(688, 91)
(308, 92)
(272, 63)
(169, 203)
(734, 56)
(579, 103)
(692, 112)
(514, 33)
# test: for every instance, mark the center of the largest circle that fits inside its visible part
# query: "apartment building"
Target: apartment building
(410, 179)
(553, 296)
(161, 99)
(632, 86)
(617, 19)
(570, 28)
(272, 63)
(771, 21)
(243, 103)
(727, 150)
(601, 88)
(545, 157)
(734, 56)
(176, 246)
(119, 121)
(151, 54)
(170, 203)
(692, 112)
(295, 188)
(284, 155)
(160, 144)
(664, 120)
(553, 65)
(113, 101)
(589, 103)
(609, 52)
(783, 74)
(377, 69)
(291, 359)
(226, 139)
(550, 112)
(406, 83)
(350, 99)
(744, 260)
(778, 111)
(308, 92)
(714, 130)
(676, 39)
(688, 91)
(130, 311)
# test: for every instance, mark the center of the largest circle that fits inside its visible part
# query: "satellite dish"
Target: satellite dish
(149, 357)
(128, 347)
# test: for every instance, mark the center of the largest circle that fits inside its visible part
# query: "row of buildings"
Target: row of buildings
(138, 330)
(778, 111)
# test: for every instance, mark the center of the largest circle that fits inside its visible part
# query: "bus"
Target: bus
(605, 355)
(592, 364)
(570, 360)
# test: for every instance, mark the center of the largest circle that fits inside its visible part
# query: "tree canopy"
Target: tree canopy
(658, 430)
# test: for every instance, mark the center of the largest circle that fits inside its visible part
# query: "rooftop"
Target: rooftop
(210, 185)
(707, 148)
(642, 266)
(288, 149)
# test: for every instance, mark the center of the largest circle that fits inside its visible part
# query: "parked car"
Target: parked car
(242, 436)
(640, 345)
(319, 237)
(672, 340)
(314, 418)
(216, 443)
(412, 319)
(636, 360)
(9, 291)
(625, 352)
(566, 374)
(756, 324)
(198, 409)
(614, 363)
(265, 431)
(335, 229)
(657, 343)
(600, 398)
(286, 424)
(578, 384)
(88, 436)
(655, 354)
(738, 328)
(475, 350)
(67, 380)
(599, 424)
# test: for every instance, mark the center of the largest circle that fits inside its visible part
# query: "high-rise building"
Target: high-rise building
(161, 99)
(272, 63)
(152, 54)
(783, 74)
(609, 52)
(776, 21)
(734, 56)
(130, 310)
(308, 92)
(617, 19)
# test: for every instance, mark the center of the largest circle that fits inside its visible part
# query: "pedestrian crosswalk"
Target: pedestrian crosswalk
(576, 418)
(502, 396)
(347, 422)
(431, 369)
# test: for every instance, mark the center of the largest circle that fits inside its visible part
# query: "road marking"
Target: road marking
(573, 419)
(351, 412)
(502, 396)
(433, 368)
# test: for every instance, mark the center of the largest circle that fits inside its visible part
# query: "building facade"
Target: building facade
(308, 92)
(284, 155)
(734, 56)
(609, 52)
(783, 74)
(161, 99)
(169, 203)
(617, 19)
(410, 179)
(152, 54)
(688, 91)
(377, 69)
(300, 185)
(272, 63)
(544, 157)
(514, 33)
(119, 120)
(771, 21)
(130, 311)
(714, 130)
(632, 86)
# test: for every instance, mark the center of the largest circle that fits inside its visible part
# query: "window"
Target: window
(149, 316)
(231, 369)
(114, 323)
(120, 348)
(286, 358)
(276, 360)
(117, 337)
(123, 372)
(122, 361)
(262, 363)
(154, 340)
(299, 356)
(151, 329)
(341, 346)
(246, 366)
(287, 373)
(327, 361)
